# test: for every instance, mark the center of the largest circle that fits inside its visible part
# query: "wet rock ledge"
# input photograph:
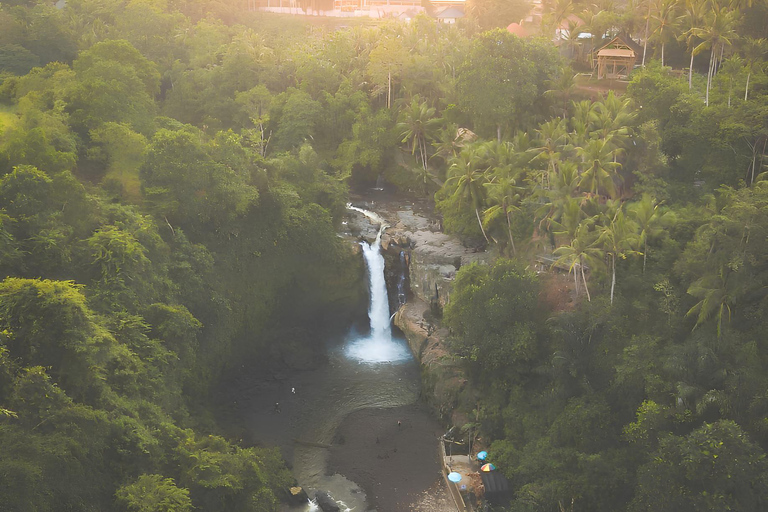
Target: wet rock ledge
(433, 260)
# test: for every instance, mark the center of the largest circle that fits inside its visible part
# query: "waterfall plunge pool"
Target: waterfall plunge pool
(369, 377)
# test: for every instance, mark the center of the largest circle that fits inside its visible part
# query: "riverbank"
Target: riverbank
(391, 453)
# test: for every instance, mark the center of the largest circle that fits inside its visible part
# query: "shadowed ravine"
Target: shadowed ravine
(371, 370)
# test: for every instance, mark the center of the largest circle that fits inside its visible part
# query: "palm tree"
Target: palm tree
(648, 215)
(617, 239)
(717, 32)
(562, 188)
(693, 17)
(718, 293)
(599, 167)
(667, 21)
(562, 88)
(732, 68)
(556, 12)
(612, 119)
(579, 253)
(754, 52)
(505, 195)
(417, 127)
(469, 178)
(552, 136)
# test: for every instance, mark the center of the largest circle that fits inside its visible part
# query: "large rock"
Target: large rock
(434, 256)
(325, 502)
(297, 496)
(443, 379)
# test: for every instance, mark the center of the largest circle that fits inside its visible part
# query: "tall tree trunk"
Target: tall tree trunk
(389, 89)
(509, 231)
(662, 54)
(498, 133)
(690, 73)
(477, 213)
(746, 89)
(647, 23)
(709, 74)
(576, 281)
(645, 252)
(583, 278)
(613, 275)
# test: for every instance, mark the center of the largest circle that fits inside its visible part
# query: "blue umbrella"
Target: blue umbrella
(454, 477)
(482, 455)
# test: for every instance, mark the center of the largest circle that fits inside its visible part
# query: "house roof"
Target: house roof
(615, 52)
(518, 30)
(496, 487)
(451, 12)
(621, 41)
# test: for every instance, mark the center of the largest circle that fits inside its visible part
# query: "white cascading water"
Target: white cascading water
(378, 346)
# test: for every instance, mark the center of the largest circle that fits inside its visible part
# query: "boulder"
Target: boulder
(325, 502)
(297, 496)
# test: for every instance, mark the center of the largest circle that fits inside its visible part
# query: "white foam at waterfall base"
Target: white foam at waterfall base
(378, 346)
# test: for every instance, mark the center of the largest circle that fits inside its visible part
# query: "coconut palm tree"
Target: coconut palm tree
(718, 31)
(731, 69)
(562, 88)
(580, 253)
(648, 215)
(468, 176)
(551, 138)
(553, 201)
(505, 195)
(666, 22)
(691, 22)
(612, 120)
(754, 51)
(617, 239)
(417, 127)
(717, 293)
(598, 167)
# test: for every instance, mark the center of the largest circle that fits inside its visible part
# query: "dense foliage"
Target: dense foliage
(634, 380)
(172, 174)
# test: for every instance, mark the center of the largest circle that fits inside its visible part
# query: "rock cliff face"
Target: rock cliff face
(433, 259)
(434, 256)
(441, 375)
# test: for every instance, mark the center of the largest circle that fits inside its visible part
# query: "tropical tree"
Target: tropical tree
(754, 51)
(717, 294)
(504, 195)
(666, 21)
(562, 88)
(618, 239)
(599, 167)
(717, 32)
(417, 127)
(467, 175)
(648, 214)
(551, 138)
(691, 22)
(579, 254)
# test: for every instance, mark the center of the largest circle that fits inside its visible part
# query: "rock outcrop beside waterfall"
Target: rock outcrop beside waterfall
(434, 257)
(433, 260)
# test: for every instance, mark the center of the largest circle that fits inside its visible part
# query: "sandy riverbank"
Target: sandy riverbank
(397, 465)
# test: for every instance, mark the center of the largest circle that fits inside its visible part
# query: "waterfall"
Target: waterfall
(378, 309)
(378, 346)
